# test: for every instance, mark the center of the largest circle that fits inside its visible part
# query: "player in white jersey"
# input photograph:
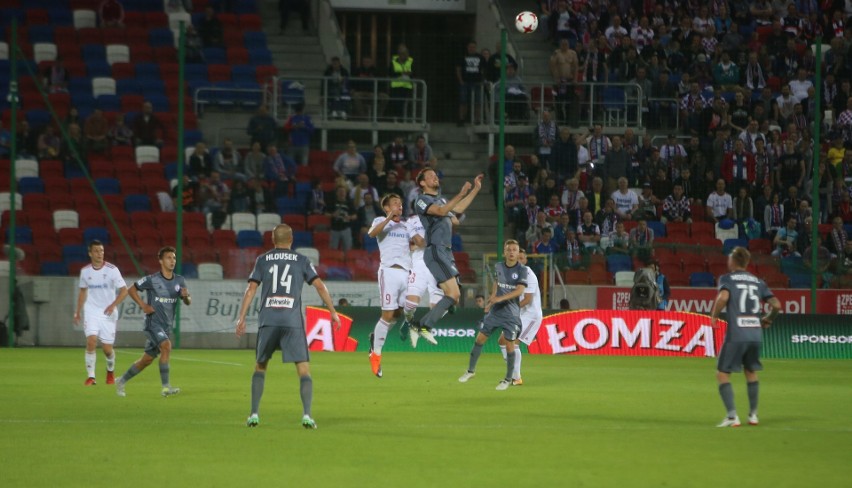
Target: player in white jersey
(420, 280)
(96, 305)
(531, 316)
(394, 240)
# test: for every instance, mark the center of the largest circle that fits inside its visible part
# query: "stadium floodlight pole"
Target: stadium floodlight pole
(181, 161)
(13, 182)
(501, 144)
(815, 159)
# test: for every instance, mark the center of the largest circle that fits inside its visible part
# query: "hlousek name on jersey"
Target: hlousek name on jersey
(286, 256)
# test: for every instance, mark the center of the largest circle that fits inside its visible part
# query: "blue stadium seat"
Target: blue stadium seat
(152, 87)
(108, 186)
(254, 40)
(53, 269)
(249, 238)
(243, 74)
(215, 55)
(800, 280)
(260, 56)
(288, 206)
(192, 137)
(30, 184)
(171, 171)
(75, 253)
(23, 234)
(128, 86)
(303, 190)
(137, 203)
(702, 279)
(336, 273)
(98, 69)
(369, 244)
(38, 117)
(251, 98)
(302, 239)
(109, 103)
(245, 7)
(93, 52)
(195, 73)
(160, 37)
(730, 244)
(60, 16)
(619, 262)
(40, 33)
(80, 85)
(160, 102)
(189, 270)
(292, 92)
(96, 233)
(658, 227)
(457, 243)
(147, 71)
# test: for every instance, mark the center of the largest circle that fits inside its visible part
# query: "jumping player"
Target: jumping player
(502, 312)
(434, 213)
(281, 274)
(164, 289)
(97, 301)
(394, 239)
(531, 317)
(742, 293)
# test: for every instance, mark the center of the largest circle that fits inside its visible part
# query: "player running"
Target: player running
(531, 317)
(163, 290)
(434, 212)
(281, 274)
(742, 293)
(502, 311)
(394, 239)
(97, 301)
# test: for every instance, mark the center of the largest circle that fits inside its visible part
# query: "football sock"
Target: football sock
(257, 381)
(753, 389)
(726, 391)
(110, 360)
(164, 374)
(131, 372)
(380, 334)
(409, 309)
(91, 359)
(474, 357)
(306, 391)
(440, 309)
(516, 373)
(503, 352)
(510, 364)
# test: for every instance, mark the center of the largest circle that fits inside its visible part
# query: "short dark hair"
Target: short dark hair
(164, 250)
(422, 174)
(387, 198)
(95, 242)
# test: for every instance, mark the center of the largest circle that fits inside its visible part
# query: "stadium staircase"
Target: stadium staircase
(533, 50)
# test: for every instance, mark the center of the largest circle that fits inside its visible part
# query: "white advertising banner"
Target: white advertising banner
(414, 5)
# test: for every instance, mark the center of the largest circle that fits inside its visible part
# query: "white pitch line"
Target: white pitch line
(224, 363)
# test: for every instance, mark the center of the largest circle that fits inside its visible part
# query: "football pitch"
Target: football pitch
(578, 421)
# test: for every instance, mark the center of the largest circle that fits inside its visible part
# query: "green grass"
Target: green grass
(579, 421)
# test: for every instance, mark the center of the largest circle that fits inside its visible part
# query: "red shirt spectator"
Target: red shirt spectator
(738, 166)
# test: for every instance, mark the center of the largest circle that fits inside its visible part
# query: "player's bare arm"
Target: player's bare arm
(81, 300)
(518, 291)
(774, 310)
(443, 210)
(323, 293)
(378, 228)
(418, 241)
(134, 295)
(122, 294)
(719, 305)
(491, 298)
(248, 297)
(465, 202)
(185, 296)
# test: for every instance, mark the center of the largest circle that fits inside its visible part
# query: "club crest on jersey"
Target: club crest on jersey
(514, 276)
(177, 287)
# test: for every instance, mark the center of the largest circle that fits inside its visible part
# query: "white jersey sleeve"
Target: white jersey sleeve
(534, 308)
(415, 228)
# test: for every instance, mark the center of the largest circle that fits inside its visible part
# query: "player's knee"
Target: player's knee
(165, 347)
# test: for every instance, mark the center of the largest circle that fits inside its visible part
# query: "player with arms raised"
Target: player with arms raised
(531, 317)
(502, 312)
(163, 290)
(98, 301)
(281, 274)
(743, 294)
(434, 212)
(394, 239)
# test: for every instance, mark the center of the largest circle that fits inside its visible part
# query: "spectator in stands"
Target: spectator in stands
(626, 201)
(210, 29)
(253, 164)
(589, 234)
(111, 13)
(397, 154)
(351, 163)
(606, 218)
(262, 127)
(367, 212)
(301, 7)
(469, 74)
(564, 64)
(72, 150)
(120, 134)
(316, 199)
(739, 167)
(200, 161)
(785, 240)
(596, 196)
(554, 210)
(571, 195)
(548, 189)
(616, 164)
(790, 169)
(647, 203)
(214, 196)
(546, 244)
(743, 206)
(523, 217)
(719, 203)
(750, 136)
(193, 46)
(279, 170)
(48, 143)
(356, 195)
(661, 184)
(191, 195)
(402, 71)
(28, 140)
(240, 199)
(676, 206)
(336, 89)
(5, 141)
(420, 153)
(516, 199)
(377, 172)
(300, 127)
(96, 131)
(537, 227)
(228, 162)
(838, 241)
(510, 180)
(642, 240)
(561, 228)
(148, 130)
(517, 99)
(73, 117)
(564, 156)
(492, 65)
(726, 73)
(619, 240)
(544, 137)
(342, 215)
(367, 98)
(773, 215)
(844, 209)
(56, 77)
(576, 215)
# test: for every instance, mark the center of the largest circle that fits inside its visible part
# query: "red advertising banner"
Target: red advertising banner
(628, 333)
(700, 300)
(321, 334)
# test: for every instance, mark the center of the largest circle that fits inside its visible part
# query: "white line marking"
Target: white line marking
(224, 363)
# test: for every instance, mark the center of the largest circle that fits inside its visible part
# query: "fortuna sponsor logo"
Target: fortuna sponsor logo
(506, 286)
(821, 339)
(279, 302)
(282, 256)
(165, 300)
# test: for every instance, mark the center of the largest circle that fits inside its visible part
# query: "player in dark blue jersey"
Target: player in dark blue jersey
(281, 273)
(743, 294)
(163, 290)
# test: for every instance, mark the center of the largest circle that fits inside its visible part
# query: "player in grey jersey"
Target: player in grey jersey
(438, 255)
(743, 294)
(503, 311)
(281, 273)
(163, 291)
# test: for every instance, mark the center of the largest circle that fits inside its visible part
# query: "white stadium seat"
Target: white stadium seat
(64, 219)
(624, 278)
(267, 221)
(4, 201)
(85, 18)
(117, 53)
(103, 86)
(210, 271)
(243, 221)
(147, 154)
(310, 253)
(26, 168)
(44, 51)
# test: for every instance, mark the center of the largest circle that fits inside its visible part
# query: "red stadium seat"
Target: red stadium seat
(218, 72)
